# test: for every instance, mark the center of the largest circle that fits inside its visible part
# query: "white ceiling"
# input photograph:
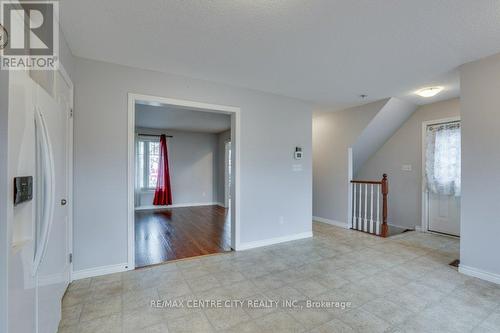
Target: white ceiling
(326, 51)
(171, 118)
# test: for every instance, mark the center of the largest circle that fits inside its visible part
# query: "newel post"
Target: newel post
(385, 192)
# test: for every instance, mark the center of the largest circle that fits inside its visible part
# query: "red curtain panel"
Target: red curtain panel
(163, 192)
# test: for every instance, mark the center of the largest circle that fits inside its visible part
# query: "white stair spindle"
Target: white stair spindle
(371, 209)
(353, 222)
(365, 224)
(377, 232)
(359, 207)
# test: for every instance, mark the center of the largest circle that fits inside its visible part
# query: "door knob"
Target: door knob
(63, 202)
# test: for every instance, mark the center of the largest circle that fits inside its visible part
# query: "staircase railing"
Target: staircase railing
(369, 198)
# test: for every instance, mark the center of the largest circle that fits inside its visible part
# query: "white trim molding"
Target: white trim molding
(52, 279)
(480, 274)
(272, 241)
(102, 270)
(331, 222)
(235, 113)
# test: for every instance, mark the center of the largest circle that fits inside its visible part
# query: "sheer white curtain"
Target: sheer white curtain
(443, 154)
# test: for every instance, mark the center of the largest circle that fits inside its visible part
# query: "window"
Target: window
(443, 158)
(147, 160)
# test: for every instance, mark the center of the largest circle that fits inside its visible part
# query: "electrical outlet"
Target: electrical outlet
(282, 220)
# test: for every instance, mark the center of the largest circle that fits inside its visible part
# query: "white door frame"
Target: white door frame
(226, 174)
(425, 194)
(69, 165)
(235, 113)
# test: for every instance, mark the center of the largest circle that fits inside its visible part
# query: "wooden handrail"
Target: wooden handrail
(366, 182)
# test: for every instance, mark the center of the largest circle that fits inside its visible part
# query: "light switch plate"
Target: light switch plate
(406, 167)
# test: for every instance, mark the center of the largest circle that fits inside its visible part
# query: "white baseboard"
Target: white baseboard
(271, 241)
(98, 271)
(331, 222)
(189, 204)
(420, 229)
(48, 280)
(401, 226)
(480, 274)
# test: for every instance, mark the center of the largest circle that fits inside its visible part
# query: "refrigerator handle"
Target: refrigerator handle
(47, 214)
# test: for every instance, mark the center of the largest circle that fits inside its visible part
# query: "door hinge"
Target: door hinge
(71, 113)
(71, 258)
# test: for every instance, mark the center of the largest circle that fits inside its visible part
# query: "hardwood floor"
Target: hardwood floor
(178, 233)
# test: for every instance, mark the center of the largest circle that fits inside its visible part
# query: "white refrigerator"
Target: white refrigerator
(38, 145)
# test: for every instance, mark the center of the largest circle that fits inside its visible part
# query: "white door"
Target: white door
(444, 214)
(52, 237)
(63, 91)
(442, 177)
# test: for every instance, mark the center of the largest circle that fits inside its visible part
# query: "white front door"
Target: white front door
(442, 177)
(444, 214)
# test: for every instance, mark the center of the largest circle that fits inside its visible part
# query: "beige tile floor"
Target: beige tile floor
(399, 284)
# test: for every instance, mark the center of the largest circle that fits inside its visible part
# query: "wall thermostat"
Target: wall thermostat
(298, 153)
(23, 189)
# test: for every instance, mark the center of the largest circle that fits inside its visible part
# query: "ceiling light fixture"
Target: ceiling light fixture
(429, 91)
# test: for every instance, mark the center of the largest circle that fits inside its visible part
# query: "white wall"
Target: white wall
(193, 162)
(222, 138)
(271, 126)
(405, 147)
(65, 55)
(333, 134)
(480, 221)
(390, 117)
